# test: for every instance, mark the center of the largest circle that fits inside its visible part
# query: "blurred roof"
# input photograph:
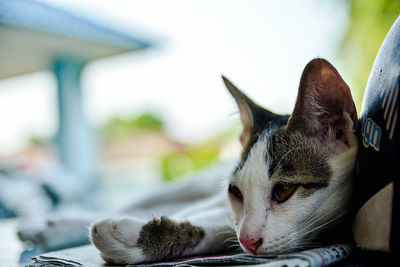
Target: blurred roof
(32, 34)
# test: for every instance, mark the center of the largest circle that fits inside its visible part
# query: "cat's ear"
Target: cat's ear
(254, 118)
(324, 108)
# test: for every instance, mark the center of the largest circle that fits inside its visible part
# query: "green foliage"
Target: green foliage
(197, 156)
(119, 127)
(369, 22)
(183, 162)
(39, 141)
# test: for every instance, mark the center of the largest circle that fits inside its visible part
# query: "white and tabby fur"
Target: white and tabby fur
(218, 220)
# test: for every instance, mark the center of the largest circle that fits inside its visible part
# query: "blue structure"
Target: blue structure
(35, 36)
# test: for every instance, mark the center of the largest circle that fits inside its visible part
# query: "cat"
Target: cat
(290, 190)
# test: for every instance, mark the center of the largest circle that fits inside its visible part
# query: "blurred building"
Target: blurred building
(34, 37)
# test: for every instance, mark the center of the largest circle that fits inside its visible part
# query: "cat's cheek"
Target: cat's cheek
(237, 208)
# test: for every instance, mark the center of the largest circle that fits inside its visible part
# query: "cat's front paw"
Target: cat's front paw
(54, 233)
(117, 240)
(128, 241)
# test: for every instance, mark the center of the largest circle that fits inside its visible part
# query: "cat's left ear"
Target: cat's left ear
(254, 118)
(324, 108)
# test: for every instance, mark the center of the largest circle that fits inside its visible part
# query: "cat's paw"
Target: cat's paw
(117, 240)
(54, 233)
(128, 241)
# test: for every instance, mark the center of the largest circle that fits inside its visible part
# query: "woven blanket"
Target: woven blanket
(88, 256)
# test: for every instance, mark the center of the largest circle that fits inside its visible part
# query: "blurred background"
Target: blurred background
(103, 100)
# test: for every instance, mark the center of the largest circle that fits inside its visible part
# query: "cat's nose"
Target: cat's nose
(251, 245)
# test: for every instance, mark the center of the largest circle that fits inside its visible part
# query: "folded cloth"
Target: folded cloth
(89, 256)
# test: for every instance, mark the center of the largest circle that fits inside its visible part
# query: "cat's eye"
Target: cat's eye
(283, 192)
(235, 191)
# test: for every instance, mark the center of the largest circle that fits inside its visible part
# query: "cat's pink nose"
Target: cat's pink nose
(251, 245)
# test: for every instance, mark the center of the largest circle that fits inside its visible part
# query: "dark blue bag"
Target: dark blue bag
(377, 222)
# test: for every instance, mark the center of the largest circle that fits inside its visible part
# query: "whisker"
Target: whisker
(223, 232)
(236, 247)
(291, 238)
(313, 220)
(230, 240)
(322, 225)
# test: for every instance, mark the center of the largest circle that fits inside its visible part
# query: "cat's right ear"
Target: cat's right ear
(254, 118)
(324, 108)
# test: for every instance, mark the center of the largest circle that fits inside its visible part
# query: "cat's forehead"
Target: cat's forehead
(279, 155)
(255, 156)
(293, 155)
(253, 165)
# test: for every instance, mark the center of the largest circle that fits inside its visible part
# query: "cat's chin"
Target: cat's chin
(289, 245)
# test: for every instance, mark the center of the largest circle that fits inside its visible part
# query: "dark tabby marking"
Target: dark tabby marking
(164, 238)
(273, 125)
(292, 154)
(276, 122)
(299, 159)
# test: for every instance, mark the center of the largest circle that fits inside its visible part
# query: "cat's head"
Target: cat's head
(294, 180)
